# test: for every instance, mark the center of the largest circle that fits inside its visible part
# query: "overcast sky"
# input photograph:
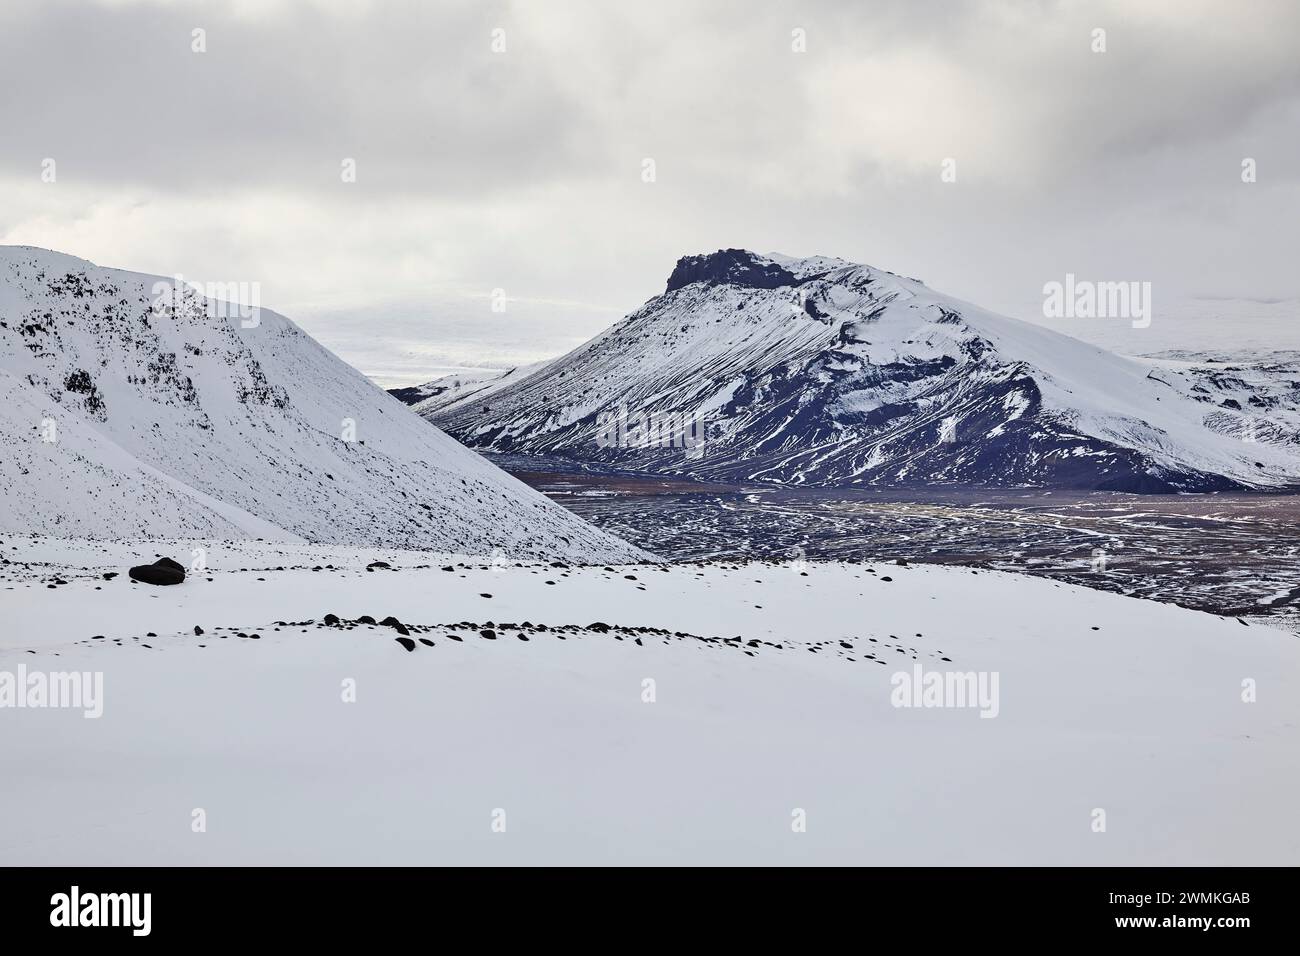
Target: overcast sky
(523, 169)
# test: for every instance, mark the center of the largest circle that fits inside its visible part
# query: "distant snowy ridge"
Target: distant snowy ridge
(126, 416)
(824, 372)
(447, 391)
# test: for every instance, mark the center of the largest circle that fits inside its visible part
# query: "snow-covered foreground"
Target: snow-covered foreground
(554, 749)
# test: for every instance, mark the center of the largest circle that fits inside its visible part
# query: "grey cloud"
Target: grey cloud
(523, 170)
(412, 92)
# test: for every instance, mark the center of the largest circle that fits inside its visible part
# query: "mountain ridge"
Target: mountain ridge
(846, 374)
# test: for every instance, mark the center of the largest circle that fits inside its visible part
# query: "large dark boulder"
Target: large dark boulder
(162, 571)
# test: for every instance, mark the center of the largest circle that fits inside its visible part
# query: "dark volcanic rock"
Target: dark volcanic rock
(409, 395)
(731, 266)
(163, 571)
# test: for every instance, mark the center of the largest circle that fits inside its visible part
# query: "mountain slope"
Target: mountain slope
(171, 419)
(822, 372)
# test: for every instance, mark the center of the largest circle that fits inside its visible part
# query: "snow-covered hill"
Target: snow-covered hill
(129, 412)
(449, 391)
(822, 372)
(683, 714)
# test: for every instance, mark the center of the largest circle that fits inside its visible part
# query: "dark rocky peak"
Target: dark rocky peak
(732, 267)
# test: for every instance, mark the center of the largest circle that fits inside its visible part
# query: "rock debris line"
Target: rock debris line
(411, 637)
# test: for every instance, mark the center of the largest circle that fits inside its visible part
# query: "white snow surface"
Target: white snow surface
(180, 421)
(1105, 702)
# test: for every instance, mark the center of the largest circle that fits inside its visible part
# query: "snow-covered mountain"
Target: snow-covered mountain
(447, 391)
(134, 412)
(823, 372)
